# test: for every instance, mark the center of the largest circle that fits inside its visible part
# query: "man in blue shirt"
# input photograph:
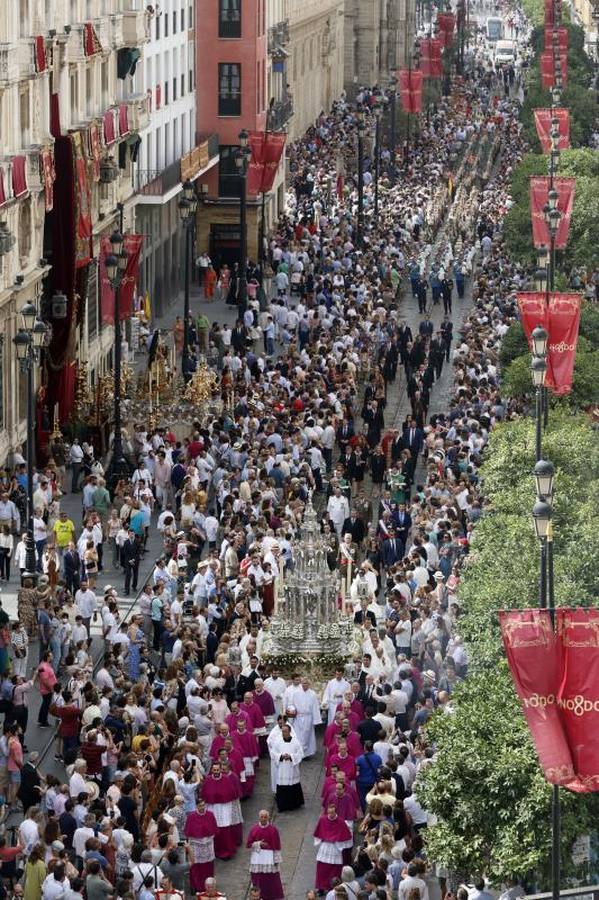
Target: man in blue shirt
(368, 765)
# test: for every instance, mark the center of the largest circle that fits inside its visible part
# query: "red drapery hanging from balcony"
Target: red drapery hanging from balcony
(19, 177)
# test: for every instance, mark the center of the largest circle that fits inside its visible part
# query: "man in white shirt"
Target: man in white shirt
(77, 783)
(75, 459)
(338, 510)
(85, 601)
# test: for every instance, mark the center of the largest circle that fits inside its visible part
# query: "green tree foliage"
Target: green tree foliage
(485, 788)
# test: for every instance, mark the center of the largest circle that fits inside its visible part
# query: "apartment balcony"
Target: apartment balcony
(26, 59)
(158, 186)
(33, 169)
(136, 27)
(140, 111)
(117, 38)
(74, 51)
(279, 116)
(9, 64)
(278, 37)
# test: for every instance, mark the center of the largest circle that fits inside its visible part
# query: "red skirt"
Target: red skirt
(225, 842)
(269, 884)
(198, 874)
(325, 872)
(237, 831)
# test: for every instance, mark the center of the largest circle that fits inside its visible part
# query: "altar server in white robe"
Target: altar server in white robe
(285, 756)
(275, 735)
(276, 687)
(307, 717)
(333, 693)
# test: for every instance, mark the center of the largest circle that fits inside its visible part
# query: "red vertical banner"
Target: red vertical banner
(564, 321)
(547, 62)
(132, 245)
(405, 91)
(256, 164)
(559, 31)
(543, 119)
(578, 697)
(273, 151)
(539, 194)
(425, 57)
(416, 90)
(19, 176)
(533, 658)
(436, 63)
(446, 23)
(560, 317)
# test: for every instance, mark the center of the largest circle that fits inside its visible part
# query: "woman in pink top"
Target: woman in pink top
(47, 679)
(14, 766)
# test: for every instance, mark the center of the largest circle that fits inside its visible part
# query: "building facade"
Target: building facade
(170, 79)
(72, 108)
(235, 79)
(316, 59)
(379, 37)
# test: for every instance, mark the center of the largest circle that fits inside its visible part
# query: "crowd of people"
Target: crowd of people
(164, 739)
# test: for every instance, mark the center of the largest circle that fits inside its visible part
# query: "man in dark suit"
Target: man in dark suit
(392, 549)
(344, 433)
(130, 556)
(71, 566)
(413, 439)
(354, 526)
(403, 523)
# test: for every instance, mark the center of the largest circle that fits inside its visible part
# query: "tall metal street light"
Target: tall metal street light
(378, 114)
(538, 368)
(116, 265)
(28, 342)
(242, 158)
(187, 211)
(393, 124)
(361, 135)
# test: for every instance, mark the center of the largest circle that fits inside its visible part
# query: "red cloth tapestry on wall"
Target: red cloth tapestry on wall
(83, 217)
(446, 27)
(91, 42)
(2, 188)
(41, 62)
(109, 127)
(123, 119)
(19, 176)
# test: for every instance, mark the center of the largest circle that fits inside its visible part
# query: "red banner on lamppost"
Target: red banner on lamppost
(548, 68)
(559, 31)
(410, 90)
(267, 150)
(539, 194)
(446, 22)
(533, 658)
(559, 315)
(578, 694)
(132, 246)
(543, 119)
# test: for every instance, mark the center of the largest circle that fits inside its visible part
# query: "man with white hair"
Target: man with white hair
(77, 783)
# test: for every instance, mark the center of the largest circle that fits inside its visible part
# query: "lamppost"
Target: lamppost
(242, 158)
(187, 211)
(116, 264)
(361, 135)
(538, 368)
(414, 64)
(28, 342)
(378, 105)
(392, 136)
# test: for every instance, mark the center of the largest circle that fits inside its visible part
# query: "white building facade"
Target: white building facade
(65, 111)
